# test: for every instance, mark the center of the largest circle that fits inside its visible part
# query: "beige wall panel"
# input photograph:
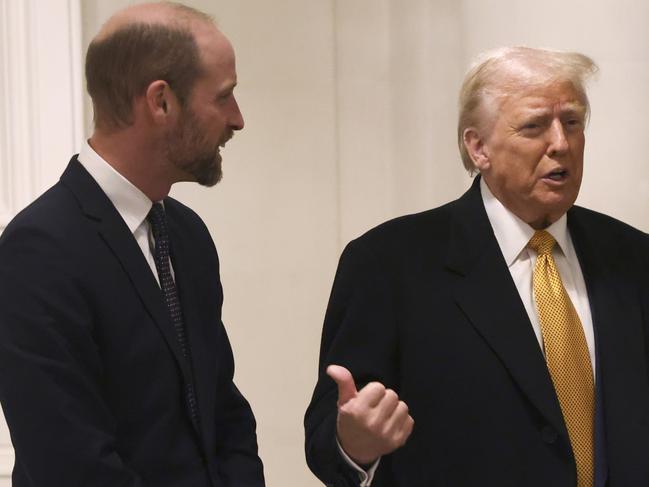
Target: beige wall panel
(426, 45)
(398, 73)
(364, 110)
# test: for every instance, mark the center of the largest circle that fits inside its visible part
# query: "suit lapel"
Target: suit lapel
(617, 322)
(487, 295)
(112, 229)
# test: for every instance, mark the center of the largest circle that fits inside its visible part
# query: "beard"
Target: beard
(191, 150)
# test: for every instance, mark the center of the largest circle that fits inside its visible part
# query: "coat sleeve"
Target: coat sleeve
(359, 333)
(50, 370)
(238, 462)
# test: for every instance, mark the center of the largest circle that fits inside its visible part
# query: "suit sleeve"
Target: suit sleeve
(360, 334)
(50, 369)
(238, 461)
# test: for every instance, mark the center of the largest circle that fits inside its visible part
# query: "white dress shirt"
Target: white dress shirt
(513, 235)
(131, 203)
(366, 476)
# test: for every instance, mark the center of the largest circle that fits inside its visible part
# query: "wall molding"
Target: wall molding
(41, 122)
(40, 92)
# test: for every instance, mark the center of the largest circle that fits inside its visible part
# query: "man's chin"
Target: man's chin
(204, 174)
(210, 181)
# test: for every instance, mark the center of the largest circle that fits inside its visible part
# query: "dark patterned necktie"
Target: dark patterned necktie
(161, 255)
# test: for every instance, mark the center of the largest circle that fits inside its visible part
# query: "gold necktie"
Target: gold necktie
(566, 354)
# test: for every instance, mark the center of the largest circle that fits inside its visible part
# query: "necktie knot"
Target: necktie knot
(542, 242)
(158, 219)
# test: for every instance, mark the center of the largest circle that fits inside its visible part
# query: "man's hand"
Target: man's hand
(371, 422)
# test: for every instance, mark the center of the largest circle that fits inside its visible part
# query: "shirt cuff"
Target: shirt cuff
(365, 476)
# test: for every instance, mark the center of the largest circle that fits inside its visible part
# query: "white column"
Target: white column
(40, 111)
(40, 96)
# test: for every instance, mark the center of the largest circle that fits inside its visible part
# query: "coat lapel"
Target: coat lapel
(112, 229)
(486, 293)
(618, 326)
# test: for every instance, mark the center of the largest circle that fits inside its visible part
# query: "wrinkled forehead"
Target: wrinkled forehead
(553, 93)
(528, 91)
(523, 76)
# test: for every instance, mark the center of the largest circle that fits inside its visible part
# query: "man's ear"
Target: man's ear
(476, 148)
(160, 101)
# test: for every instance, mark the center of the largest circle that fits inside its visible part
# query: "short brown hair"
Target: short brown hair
(120, 66)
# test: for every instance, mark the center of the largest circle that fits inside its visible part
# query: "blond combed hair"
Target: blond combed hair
(498, 73)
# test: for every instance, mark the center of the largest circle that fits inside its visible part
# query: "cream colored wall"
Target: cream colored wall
(397, 77)
(350, 116)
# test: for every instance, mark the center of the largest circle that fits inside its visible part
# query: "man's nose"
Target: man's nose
(236, 118)
(558, 143)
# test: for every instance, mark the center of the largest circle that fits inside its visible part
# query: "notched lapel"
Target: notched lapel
(486, 293)
(126, 250)
(114, 232)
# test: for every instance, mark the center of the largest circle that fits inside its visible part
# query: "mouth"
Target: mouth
(221, 146)
(226, 139)
(557, 175)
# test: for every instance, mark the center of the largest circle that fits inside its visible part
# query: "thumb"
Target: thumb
(345, 382)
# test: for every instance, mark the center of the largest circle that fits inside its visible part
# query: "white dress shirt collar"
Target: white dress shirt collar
(513, 234)
(131, 203)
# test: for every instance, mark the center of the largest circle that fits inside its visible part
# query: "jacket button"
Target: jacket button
(548, 434)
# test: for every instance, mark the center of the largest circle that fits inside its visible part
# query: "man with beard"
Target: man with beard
(501, 339)
(115, 367)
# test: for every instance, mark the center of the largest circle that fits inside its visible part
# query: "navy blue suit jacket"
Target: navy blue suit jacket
(425, 304)
(92, 378)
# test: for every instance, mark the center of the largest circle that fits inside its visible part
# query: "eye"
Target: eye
(573, 123)
(224, 97)
(531, 128)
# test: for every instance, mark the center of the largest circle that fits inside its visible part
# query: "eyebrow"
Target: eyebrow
(568, 108)
(574, 107)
